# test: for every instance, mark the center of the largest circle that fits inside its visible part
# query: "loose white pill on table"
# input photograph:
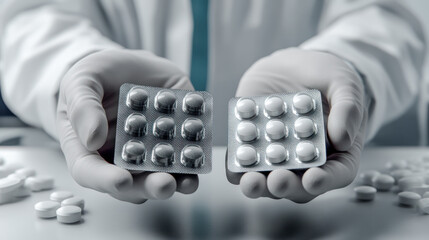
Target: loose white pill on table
(306, 151)
(410, 182)
(275, 129)
(423, 205)
(246, 155)
(391, 166)
(408, 198)
(69, 214)
(383, 182)
(419, 190)
(8, 169)
(74, 201)
(274, 106)
(276, 153)
(22, 191)
(246, 108)
(9, 184)
(425, 195)
(60, 196)
(247, 131)
(39, 183)
(367, 176)
(304, 127)
(400, 173)
(46, 209)
(365, 193)
(303, 103)
(26, 172)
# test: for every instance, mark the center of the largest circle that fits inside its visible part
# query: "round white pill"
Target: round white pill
(367, 176)
(383, 182)
(136, 125)
(193, 104)
(165, 101)
(46, 209)
(163, 154)
(60, 196)
(304, 127)
(306, 151)
(164, 128)
(39, 183)
(303, 103)
(26, 172)
(246, 155)
(134, 151)
(69, 214)
(22, 191)
(365, 193)
(410, 182)
(408, 198)
(8, 169)
(192, 156)
(247, 131)
(10, 183)
(400, 173)
(193, 129)
(137, 98)
(276, 153)
(275, 129)
(423, 205)
(391, 166)
(74, 201)
(246, 108)
(274, 106)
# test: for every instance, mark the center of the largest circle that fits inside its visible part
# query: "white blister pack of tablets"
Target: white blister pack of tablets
(284, 131)
(164, 130)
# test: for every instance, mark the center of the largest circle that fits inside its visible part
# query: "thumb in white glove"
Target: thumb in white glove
(293, 70)
(86, 121)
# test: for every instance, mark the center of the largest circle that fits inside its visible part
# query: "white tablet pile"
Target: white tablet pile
(408, 179)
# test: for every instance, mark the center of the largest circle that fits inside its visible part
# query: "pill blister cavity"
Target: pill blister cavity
(193, 104)
(192, 156)
(137, 99)
(193, 129)
(276, 130)
(306, 151)
(303, 103)
(165, 101)
(276, 153)
(164, 128)
(134, 151)
(247, 131)
(136, 125)
(246, 155)
(163, 154)
(274, 106)
(246, 108)
(304, 127)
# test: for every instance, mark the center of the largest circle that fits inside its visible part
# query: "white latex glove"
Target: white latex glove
(86, 121)
(292, 70)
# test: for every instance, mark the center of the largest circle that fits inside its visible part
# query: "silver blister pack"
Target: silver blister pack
(164, 130)
(278, 131)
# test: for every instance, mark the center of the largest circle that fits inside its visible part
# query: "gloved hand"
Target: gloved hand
(342, 89)
(86, 121)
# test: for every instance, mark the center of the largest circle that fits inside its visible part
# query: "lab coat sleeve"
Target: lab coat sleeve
(385, 43)
(38, 46)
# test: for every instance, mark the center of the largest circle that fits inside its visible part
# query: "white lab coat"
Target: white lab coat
(41, 39)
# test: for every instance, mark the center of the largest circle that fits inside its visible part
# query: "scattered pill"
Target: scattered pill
(303, 103)
(246, 155)
(367, 176)
(26, 172)
(400, 173)
(423, 205)
(365, 193)
(137, 99)
(134, 151)
(165, 101)
(9, 168)
(246, 108)
(164, 128)
(22, 191)
(306, 151)
(60, 196)
(304, 127)
(136, 125)
(419, 190)
(391, 166)
(276, 153)
(39, 183)
(275, 129)
(163, 154)
(193, 129)
(74, 201)
(408, 198)
(410, 182)
(69, 214)
(192, 156)
(46, 209)
(247, 131)
(383, 182)
(9, 184)
(274, 106)
(193, 104)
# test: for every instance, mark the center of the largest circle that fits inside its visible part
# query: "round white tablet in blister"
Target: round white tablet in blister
(276, 153)
(246, 155)
(303, 103)
(163, 154)
(46, 209)
(69, 214)
(365, 193)
(165, 101)
(247, 131)
(304, 127)
(137, 98)
(193, 129)
(60, 196)
(306, 151)
(192, 156)
(136, 125)
(274, 106)
(246, 108)
(275, 129)
(193, 104)
(164, 128)
(134, 151)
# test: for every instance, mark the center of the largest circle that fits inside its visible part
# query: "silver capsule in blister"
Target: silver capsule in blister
(165, 101)
(134, 151)
(137, 99)
(136, 125)
(163, 154)
(193, 129)
(164, 128)
(193, 104)
(192, 156)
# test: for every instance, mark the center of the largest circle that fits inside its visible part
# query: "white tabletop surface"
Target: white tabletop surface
(218, 210)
